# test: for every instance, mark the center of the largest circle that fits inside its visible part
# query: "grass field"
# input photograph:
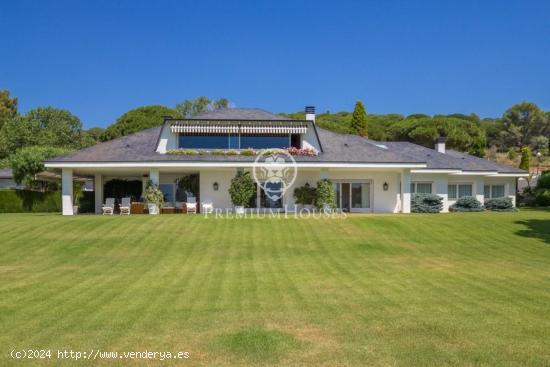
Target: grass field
(382, 290)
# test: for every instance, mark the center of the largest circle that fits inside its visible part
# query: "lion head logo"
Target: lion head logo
(275, 172)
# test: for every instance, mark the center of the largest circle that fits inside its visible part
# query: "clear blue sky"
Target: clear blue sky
(99, 59)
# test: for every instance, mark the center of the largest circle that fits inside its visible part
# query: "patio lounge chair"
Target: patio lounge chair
(125, 206)
(109, 206)
(191, 205)
(207, 206)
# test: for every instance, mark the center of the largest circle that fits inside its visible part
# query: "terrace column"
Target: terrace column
(98, 193)
(154, 176)
(478, 189)
(67, 191)
(406, 191)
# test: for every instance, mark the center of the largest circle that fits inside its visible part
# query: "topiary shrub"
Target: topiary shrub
(242, 189)
(426, 203)
(325, 197)
(467, 204)
(305, 195)
(500, 205)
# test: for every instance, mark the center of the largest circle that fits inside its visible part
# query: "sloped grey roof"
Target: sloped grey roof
(135, 147)
(355, 149)
(337, 148)
(141, 147)
(484, 164)
(239, 114)
(451, 159)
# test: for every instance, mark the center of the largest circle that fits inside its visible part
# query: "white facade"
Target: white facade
(440, 183)
(360, 187)
(384, 190)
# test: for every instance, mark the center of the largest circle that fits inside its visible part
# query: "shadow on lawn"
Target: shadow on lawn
(536, 228)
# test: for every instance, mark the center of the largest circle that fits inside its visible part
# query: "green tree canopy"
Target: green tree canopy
(418, 116)
(8, 107)
(138, 119)
(523, 121)
(29, 161)
(359, 120)
(193, 107)
(92, 136)
(463, 135)
(46, 126)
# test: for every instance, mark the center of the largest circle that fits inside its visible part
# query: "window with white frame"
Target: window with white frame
(456, 191)
(493, 191)
(421, 187)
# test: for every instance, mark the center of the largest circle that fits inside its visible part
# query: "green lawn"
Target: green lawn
(382, 290)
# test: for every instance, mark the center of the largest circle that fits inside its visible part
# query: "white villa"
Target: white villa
(368, 176)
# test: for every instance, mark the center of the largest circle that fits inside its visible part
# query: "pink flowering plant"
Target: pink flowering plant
(309, 152)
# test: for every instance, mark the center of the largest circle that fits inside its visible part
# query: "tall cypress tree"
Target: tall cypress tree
(359, 120)
(525, 163)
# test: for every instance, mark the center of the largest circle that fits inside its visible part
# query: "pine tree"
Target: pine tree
(525, 163)
(359, 120)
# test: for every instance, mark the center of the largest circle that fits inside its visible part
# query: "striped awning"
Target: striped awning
(239, 127)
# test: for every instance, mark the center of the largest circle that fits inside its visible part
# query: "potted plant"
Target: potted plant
(305, 196)
(78, 193)
(153, 197)
(241, 190)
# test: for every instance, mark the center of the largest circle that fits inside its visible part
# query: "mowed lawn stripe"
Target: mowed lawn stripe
(454, 289)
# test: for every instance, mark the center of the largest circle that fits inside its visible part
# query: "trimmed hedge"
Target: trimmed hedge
(426, 203)
(27, 201)
(500, 205)
(467, 204)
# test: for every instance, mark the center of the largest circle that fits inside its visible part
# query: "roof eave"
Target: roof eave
(160, 164)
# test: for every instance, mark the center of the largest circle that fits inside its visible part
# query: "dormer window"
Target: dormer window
(210, 141)
(239, 134)
(238, 141)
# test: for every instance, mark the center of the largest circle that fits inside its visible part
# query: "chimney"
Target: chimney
(310, 113)
(440, 144)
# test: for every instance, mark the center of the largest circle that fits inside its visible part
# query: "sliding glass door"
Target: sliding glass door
(353, 197)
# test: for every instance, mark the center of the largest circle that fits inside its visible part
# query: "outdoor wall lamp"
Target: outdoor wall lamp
(385, 186)
(215, 186)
